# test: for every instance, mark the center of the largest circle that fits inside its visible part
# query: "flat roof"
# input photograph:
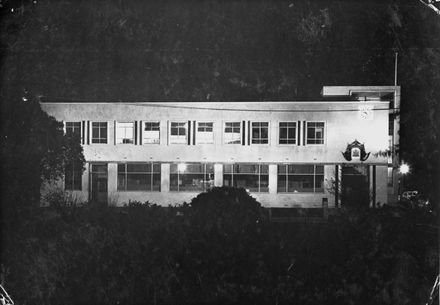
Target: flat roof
(378, 91)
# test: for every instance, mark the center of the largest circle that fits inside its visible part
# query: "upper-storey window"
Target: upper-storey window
(178, 133)
(124, 133)
(232, 134)
(73, 129)
(287, 133)
(260, 132)
(315, 133)
(151, 133)
(205, 133)
(99, 132)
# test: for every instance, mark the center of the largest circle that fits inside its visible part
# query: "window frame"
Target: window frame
(71, 186)
(233, 173)
(324, 133)
(73, 133)
(151, 174)
(100, 127)
(287, 174)
(205, 175)
(144, 132)
(171, 136)
(116, 133)
(252, 136)
(198, 133)
(296, 133)
(240, 132)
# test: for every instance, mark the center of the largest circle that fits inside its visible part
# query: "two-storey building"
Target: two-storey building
(285, 153)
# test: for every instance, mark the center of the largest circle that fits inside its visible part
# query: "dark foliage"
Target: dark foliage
(220, 249)
(34, 149)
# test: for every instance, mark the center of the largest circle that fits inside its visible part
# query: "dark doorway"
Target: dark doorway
(98, 184)
(355, 186)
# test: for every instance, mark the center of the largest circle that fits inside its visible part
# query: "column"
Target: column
(165, 177)
(85, 185)
(273, 178)
(370, 185)
(112, 183)
(218, 174)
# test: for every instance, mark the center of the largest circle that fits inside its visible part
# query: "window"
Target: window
(300, 178)
(73, 177)
(232, 133)
(315, 132)
(287, 133)
(178, 133)
(253, 177)
(99, 132)
(191, 177)
(390, 176)
(124, 133)
(260, 132)
(151, 133)
(205, 134)
(73, 129)
(139, 177)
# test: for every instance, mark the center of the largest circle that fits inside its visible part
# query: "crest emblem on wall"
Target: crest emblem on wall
(355, 151)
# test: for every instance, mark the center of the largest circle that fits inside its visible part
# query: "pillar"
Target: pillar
(218, 174)
(273, 178)
(85, 180)
(165, 177)
(112, 183)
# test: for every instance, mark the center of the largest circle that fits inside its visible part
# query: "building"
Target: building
(285, 153)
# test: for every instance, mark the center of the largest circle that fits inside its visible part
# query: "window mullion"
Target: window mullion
(73, 177)
(314, 177)
(259, 178)
(126, 177)
(232, 174)
(204, 176)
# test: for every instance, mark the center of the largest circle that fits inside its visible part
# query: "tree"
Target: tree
(34, 150)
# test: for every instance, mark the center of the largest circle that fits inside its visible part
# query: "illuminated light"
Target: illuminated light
(181, 167)
(404, 168)
(24, 99)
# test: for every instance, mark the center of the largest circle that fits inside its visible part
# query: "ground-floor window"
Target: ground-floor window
(139, 177)
(253, 177)
(73, 177)
(300, 178)
(191, 177)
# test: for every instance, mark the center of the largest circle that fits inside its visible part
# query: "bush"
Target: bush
(218, 249)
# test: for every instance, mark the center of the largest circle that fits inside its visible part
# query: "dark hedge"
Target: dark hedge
(219, 249)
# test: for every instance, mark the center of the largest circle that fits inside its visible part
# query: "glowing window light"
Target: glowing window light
(181, 167)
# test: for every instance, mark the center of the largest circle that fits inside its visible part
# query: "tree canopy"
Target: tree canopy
(34, 149)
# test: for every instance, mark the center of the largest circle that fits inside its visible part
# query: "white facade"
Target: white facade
(167, 140)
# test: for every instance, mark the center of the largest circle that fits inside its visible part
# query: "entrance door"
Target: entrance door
(355, 186)
(98, 184)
